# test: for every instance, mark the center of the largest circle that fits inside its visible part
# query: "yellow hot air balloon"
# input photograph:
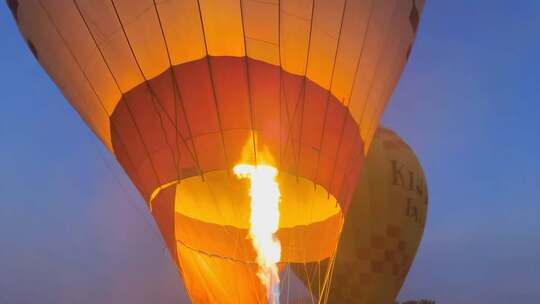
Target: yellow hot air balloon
(384, 224)
(206, 102)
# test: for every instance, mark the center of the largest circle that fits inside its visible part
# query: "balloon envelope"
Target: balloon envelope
(182, 90)
(384, 224)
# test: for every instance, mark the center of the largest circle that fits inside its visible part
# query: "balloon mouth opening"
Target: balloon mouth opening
(212, 216)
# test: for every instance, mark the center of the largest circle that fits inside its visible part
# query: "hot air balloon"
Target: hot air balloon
(206, 102)
(384, 224)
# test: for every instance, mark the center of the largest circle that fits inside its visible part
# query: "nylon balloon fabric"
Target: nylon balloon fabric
(181, 91)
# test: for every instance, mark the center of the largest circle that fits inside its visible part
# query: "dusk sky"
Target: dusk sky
(73, 229)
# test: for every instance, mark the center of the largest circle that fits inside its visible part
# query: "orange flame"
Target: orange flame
(264, 222)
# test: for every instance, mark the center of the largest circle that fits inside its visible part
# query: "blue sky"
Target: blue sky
(73, 229)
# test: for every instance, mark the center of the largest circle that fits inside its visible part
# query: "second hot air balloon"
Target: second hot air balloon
(384, 226)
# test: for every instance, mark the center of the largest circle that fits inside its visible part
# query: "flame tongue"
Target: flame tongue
(264, 222)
